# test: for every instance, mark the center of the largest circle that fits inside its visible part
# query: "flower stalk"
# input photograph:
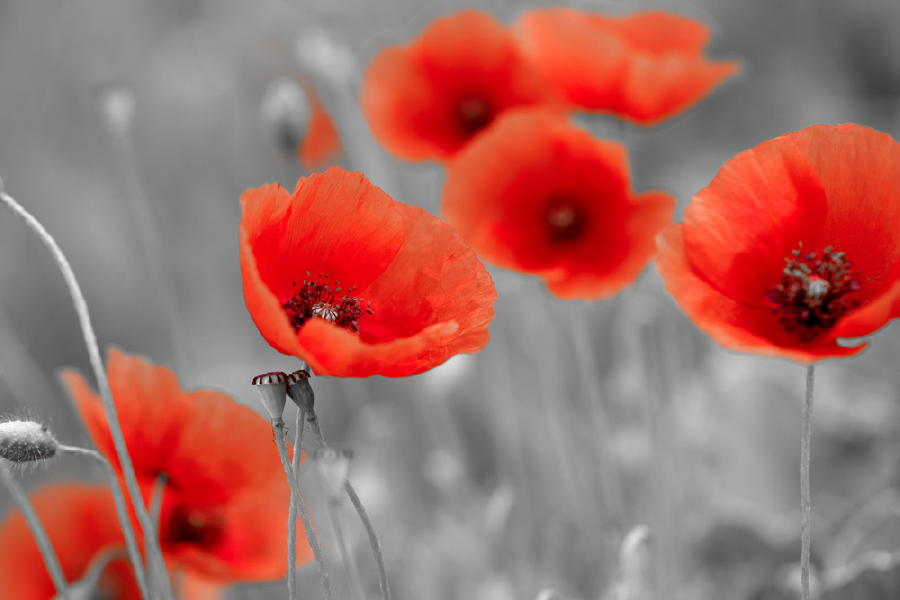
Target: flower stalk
(805, 506)
(134, 554)
(154, 553)
(278, 429)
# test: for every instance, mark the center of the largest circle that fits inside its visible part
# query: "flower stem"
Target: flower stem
(134, 554)
(300, 425)
(37, 530)
(334, 514)
(154, 554)
(805, 508)
(278, 429)
(361, 510)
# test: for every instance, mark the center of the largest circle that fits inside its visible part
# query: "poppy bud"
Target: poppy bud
(272, 389)
(301, 391)
(25, 441)
(117, 108)
(333, 465)
(286, 113)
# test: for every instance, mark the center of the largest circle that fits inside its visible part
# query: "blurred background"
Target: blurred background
(495, 476)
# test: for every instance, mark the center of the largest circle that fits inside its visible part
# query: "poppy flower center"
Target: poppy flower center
(316, 299)
(195, 527)
(811, 293)
(474, 113)
(566, 221)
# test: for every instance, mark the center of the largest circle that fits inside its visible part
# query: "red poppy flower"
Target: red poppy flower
(80, 521)
(356, 284)
(538, 195)
(321, 145)
(793, 245)
(225, 502)
(427, 99)
(645, 67)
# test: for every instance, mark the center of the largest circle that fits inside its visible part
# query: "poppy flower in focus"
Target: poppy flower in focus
(793, 245)
(225, 498)
(321, 145)
(356, 284)
(427, 99)
(81, 523)
(538, 195)
(644, 68)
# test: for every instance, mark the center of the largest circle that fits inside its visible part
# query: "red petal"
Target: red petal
(321, 145)
(435, 300)
(661, 32)
(763, 203)
(500, 191)
(413, 96)
(733, 324)
(336, 223)
(80, 521)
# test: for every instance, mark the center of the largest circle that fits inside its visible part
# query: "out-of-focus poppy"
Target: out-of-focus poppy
(645, 67)
(793, 245)
(427, 99)
(321, 145)
(538, 195)
(225, 501)
(81, 523)
(356, 284)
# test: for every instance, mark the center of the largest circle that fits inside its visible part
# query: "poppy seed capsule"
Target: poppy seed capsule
(26, 441)
(301, 391)
(272, 389)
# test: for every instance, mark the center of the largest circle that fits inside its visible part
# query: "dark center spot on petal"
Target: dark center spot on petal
(811, 294)
(566, 221)
(192, 526)
(315, 298)
(474, 114)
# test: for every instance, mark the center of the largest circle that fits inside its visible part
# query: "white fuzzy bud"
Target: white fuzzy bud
(26, 441)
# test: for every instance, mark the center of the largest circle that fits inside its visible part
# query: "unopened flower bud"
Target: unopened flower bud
(25, 441)
(117, 108)
(272, 389)
(333, 465)
(286, 113)
(301, 391)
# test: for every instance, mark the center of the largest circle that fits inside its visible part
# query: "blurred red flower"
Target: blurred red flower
(225, 503)
(427, 99)
(356, 284)
(538, 195)
(793, 245)
(321, 145)
(645, 67)
(81, 522)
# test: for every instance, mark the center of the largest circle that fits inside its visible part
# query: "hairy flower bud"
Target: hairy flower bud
(26, 441)
(286, 113)
(272, 389)
(301, 391)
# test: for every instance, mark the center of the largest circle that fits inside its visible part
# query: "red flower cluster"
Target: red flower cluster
(81, 522)
(645, 67)
(356, 284)
(538, 195)
(225, 496)
(793, 245)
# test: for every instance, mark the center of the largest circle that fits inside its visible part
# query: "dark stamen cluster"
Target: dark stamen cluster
(811, 294)
(316, 299)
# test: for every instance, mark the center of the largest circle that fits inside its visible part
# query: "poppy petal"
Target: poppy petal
(727, 321)
(321, 145)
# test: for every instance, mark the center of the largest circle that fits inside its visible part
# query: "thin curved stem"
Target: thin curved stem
(278, 429)
(805, 506)
(300, 425)
(334, 514)
(154, 553)
(37, 530)
(361, 510)
(134, 554)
